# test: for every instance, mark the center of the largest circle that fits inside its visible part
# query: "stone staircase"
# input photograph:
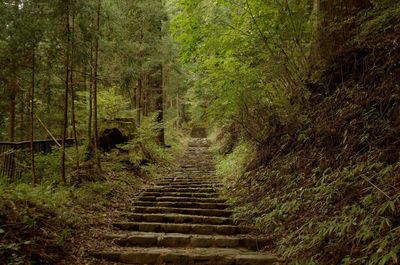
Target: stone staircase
(184, 221)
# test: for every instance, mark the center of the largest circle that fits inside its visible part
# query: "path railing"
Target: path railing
(9, 154)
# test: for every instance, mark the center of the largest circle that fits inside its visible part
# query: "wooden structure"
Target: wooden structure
(9, 154)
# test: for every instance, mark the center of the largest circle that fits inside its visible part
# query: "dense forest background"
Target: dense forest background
(301, 99)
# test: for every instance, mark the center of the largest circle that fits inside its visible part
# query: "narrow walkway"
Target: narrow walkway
(183, 221)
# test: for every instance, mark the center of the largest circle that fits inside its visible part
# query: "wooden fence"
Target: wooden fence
(9, 154)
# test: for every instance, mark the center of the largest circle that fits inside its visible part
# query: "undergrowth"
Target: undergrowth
(327, 189)
(38, 224)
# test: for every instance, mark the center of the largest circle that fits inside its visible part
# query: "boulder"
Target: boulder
(110, 138)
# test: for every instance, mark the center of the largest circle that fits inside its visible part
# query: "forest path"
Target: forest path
(183, 220)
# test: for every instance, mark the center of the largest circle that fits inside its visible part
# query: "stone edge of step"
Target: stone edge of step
(147, 257)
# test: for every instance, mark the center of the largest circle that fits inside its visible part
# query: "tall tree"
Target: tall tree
(66, 93)
(32, 120)
(13, 80)
(95, 88)
(72, 88)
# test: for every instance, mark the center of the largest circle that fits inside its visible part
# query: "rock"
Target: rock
(110, 138)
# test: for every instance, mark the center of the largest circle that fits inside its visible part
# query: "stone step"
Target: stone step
(194, 256)
(200, 190)
(198, 170)
(200, 229)
(189, 185)
(178, 218)
(209, 173)
(190, 211)
(197, 205)
(187, 182)
(180, 199)
(193, 241)
(200, 175)
(181, 194)
(203, 168)
(198, 180)
(186, 186)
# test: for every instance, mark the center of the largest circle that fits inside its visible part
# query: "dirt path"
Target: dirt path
(183, 220)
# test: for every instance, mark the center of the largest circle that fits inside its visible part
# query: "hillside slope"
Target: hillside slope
(327, 189)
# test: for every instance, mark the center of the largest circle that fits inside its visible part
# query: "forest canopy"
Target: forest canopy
(300, 99)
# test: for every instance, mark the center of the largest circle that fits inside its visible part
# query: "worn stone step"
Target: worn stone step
(198, 169)
(192, 176)
(190, 211)
(186, 240)
(194, 256)
(190, 186)
(200, 175)
(178, 218)
(200, 190)
(210, 171)
(197, 205)
(200, 229)
(177, 185)
(181, 194)
(188, 182)
(180, 199)
(202, 167)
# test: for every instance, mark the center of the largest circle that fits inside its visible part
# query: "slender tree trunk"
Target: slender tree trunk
(145, 95)
(34, 179)
(13, 94)
(67, 70)
(139, 102)
(22, 118)
(178, 112)
(96, 66)
(13, 87)
(72, 86)
(160, 107)
(90, 121)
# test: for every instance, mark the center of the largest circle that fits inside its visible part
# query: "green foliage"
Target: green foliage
(111, 105)
(233, 165)
(246, 60)
(144, 147)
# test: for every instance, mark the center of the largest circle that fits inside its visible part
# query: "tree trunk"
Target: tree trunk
(34, 179)
(160, 108)
(22, 118)
(67, 70)
(13, 93)
(145, 95)
(13, 86)
(139, 102)
(90, 121)
(72, 86)
(178, 112)
(96, 66)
